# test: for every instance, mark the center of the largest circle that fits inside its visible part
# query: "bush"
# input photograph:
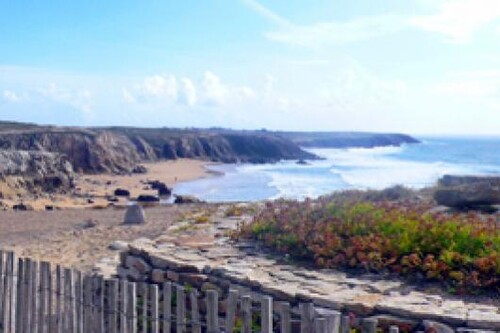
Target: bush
(462, 250)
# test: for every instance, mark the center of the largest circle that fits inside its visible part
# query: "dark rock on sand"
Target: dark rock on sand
(141, 169)
(22, 207)
(120, 192)
(147, 198)
(186, 199)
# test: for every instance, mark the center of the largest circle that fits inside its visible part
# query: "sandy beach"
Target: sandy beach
(78, 238)
(94, 191)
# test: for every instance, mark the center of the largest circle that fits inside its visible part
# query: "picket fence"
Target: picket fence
(39, 298)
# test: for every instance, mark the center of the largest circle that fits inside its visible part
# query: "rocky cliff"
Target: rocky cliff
(119, 150)
(35, 170)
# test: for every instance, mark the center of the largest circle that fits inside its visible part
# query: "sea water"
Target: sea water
(413, 165)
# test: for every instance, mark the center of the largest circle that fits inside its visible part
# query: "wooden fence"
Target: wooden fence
(39, 298)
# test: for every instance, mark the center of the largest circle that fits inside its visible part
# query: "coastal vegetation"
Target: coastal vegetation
(405, 238)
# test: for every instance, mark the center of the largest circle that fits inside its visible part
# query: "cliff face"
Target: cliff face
(214, 145)
(49, 172)
(119, 150)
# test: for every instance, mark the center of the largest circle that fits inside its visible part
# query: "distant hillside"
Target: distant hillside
(347, 139)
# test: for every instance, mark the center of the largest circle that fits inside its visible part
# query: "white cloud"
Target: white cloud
(269, 82)
(324, 33)
(158, 86)
(10, 96)
(266, 12)
(80, 99)
(214, 92)
(467, 84)
(188, 94)
(128, 97)
(459, 20)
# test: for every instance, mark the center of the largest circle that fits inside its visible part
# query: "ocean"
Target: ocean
(415, 166)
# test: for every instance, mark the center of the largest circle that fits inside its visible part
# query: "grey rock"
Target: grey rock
(118, 246)
(468, 191)
(437, 327)
(135, 215)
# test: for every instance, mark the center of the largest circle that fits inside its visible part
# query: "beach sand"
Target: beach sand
(78, 238)
(94, 190)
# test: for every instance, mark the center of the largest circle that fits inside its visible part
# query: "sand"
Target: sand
(94, 190)
(78, 238)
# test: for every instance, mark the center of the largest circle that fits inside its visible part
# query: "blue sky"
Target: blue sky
(416, 66)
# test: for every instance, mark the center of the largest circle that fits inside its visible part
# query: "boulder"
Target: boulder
(467, 191)
(186, 199)
(148, 198)
(135, 215)
(120, 192)
(164, 192)
(141, 169)
(22, 207)
(162, 188)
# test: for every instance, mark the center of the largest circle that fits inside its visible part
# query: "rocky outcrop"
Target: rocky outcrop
(467, 191)
(49, 172)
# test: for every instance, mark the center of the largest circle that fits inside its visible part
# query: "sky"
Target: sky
(414, 66)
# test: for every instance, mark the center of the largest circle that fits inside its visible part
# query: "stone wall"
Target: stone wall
(245, 268)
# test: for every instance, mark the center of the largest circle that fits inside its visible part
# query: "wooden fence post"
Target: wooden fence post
(2, 288)
(144, 312)
(394, 329)
(21, 309)
(306, 317)
(212, 311)
(123, 306)
(232, 303)
(153, 291)
(333, 322)
(79, 301)
(246, 310)
(180, 309)
(285, 318)
(345, 324)
(27, 295)
(369, 325)
(59, 299)
(35, 300)
(195, 312)
(132, 307)
(100, 309)
(319, 325)
(42, 323)
(167, 307)
(112, 308)
(266, 314)
(87, 299)
(50, 299)
(13, 292)
(69, 278)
